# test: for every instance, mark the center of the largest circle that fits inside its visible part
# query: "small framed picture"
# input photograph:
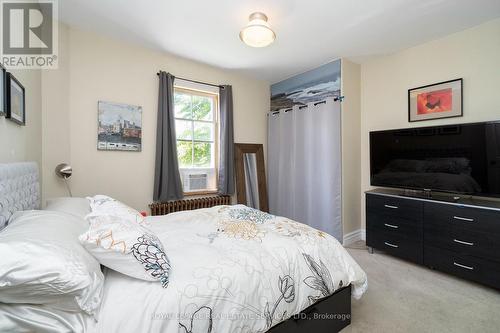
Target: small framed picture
(436, 101)
(3, 81)
(16, 102)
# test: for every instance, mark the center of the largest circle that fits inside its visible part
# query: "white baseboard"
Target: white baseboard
(354, 236)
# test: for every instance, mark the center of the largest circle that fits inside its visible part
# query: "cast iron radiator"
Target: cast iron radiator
(163, 208)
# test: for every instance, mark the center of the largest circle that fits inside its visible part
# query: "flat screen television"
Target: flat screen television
(463, 158)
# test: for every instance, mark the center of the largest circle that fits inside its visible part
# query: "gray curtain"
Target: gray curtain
(167, 185)
(226, 141)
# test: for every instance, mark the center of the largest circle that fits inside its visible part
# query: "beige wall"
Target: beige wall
(97, 68)
(351, 145)
(55, 121)
(473, 54)
(23, 143)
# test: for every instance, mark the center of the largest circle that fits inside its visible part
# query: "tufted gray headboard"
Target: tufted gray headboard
(19, 189)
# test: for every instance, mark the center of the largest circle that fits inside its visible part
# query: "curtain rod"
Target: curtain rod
(336, 99)
(199, 82)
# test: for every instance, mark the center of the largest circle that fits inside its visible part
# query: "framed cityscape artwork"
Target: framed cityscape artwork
(119, 127)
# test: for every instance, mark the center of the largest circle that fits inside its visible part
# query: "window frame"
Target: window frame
(215, 142)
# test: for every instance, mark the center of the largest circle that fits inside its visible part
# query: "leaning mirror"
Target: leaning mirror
(251, 189)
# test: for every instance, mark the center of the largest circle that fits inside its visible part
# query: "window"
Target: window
(196, 128)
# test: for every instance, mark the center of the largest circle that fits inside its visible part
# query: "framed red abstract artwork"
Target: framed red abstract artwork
(435, 101)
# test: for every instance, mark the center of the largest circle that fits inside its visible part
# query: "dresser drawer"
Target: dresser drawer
(460, 217)
(394, 207)
(464, 266)
(395, 225)
(463, 241)
(396, 245)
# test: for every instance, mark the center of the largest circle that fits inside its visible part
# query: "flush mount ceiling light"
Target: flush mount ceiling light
(257, 33)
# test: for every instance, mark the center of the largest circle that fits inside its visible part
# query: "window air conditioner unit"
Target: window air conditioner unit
(195, 182)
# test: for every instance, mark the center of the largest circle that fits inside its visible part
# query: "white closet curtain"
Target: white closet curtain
(304, 165)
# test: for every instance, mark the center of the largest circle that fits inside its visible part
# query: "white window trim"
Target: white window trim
(208, 89)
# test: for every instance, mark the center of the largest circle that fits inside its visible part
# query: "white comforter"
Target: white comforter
(234, 269)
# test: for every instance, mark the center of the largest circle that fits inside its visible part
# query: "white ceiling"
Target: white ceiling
(309, 32)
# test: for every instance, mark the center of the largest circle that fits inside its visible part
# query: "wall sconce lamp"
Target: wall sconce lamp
(65, 171)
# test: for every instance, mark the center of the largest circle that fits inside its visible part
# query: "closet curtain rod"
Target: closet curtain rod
(199, 82)
(339, 99)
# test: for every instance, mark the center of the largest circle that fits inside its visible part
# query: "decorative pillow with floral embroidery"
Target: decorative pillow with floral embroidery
(126, 247)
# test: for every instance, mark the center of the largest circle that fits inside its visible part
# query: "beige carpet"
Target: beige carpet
(403, 297)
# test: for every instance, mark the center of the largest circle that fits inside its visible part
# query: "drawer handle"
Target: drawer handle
(391, 226)
(463, 242)
(463, 266)
(391, 207)
(463, 219)
(391, 245)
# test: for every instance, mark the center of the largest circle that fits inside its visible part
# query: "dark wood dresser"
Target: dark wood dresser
(461, 238)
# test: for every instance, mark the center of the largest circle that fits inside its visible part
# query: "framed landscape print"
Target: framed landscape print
(3, 98)
(120, 127)
(16, 101)
(436, 101)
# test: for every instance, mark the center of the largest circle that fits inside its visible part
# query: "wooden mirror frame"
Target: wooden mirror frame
(250, 148)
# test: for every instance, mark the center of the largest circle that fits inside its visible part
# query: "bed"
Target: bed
(234, 269)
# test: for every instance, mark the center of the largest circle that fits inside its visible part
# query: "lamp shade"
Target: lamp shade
(257, 33)
(64, 170)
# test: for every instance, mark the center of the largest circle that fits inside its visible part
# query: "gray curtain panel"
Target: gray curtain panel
(226, 141)
(167, 185)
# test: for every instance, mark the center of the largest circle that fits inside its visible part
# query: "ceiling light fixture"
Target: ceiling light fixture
(257, 33)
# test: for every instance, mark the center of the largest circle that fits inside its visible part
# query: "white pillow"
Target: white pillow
(30, 318)
(126, 247)
(42, 262)
(104, 205)
(76, 206)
